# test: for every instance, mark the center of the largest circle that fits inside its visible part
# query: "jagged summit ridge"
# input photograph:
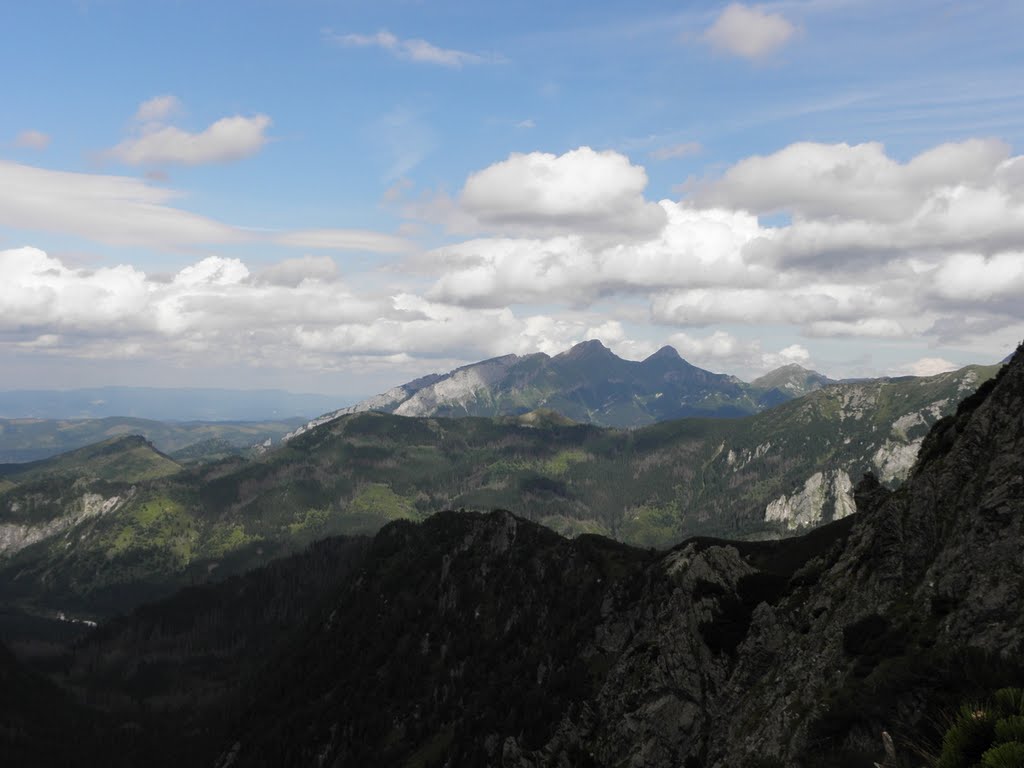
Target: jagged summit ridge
(586, 383)
(589, 348)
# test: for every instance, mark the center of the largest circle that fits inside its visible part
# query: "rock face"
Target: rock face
(16, 536)
(825, 496)
(489, 641)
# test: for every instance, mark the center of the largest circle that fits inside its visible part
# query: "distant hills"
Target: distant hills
(589, 384)
(32, 439)
(162, 404)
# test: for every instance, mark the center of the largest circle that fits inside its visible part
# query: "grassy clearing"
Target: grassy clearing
(158, 523)
(378, 500)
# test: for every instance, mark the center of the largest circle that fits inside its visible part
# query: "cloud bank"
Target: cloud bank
(927, 249)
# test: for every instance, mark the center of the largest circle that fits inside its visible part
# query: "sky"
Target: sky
(337, 196)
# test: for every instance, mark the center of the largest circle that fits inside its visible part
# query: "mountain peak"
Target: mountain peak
(589, 348)
(665, 353)
(793, 379)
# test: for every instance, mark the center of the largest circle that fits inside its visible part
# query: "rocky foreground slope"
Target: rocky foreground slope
(488, 640)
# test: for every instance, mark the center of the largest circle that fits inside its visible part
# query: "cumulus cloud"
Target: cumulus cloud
(794, 354)
(749, 32)
(412, 49)
(693, 248)
(214, 304)
(297, 313)
(856, 182)
(32, 140)
(227, 140)
(974, 277)
(853, 206)
(869, 247)
(930, 366)
(874, 247)
(724, 352)
(582, 190)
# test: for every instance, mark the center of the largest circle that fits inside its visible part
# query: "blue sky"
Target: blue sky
(339, 196)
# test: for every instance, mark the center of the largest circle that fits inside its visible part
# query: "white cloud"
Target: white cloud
(875, 248)
(110, 209)
(854, 208)
(903, 250)
(930, 366)
(793, 354)
(581, 190)
(854, 182)
(122, 210)
(345, 240)
(973, 277)
(724, 352)
(749, 32)
(32, 140)
(297, 313)
(694, 248)
(227, 140)
(158, 109)
(800, 304)
(410, 49)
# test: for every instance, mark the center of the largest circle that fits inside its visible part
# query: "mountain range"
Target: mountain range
(590, 384)
(892, 636)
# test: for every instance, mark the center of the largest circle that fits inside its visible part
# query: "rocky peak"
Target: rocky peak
(586, 349)
(665, 353)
